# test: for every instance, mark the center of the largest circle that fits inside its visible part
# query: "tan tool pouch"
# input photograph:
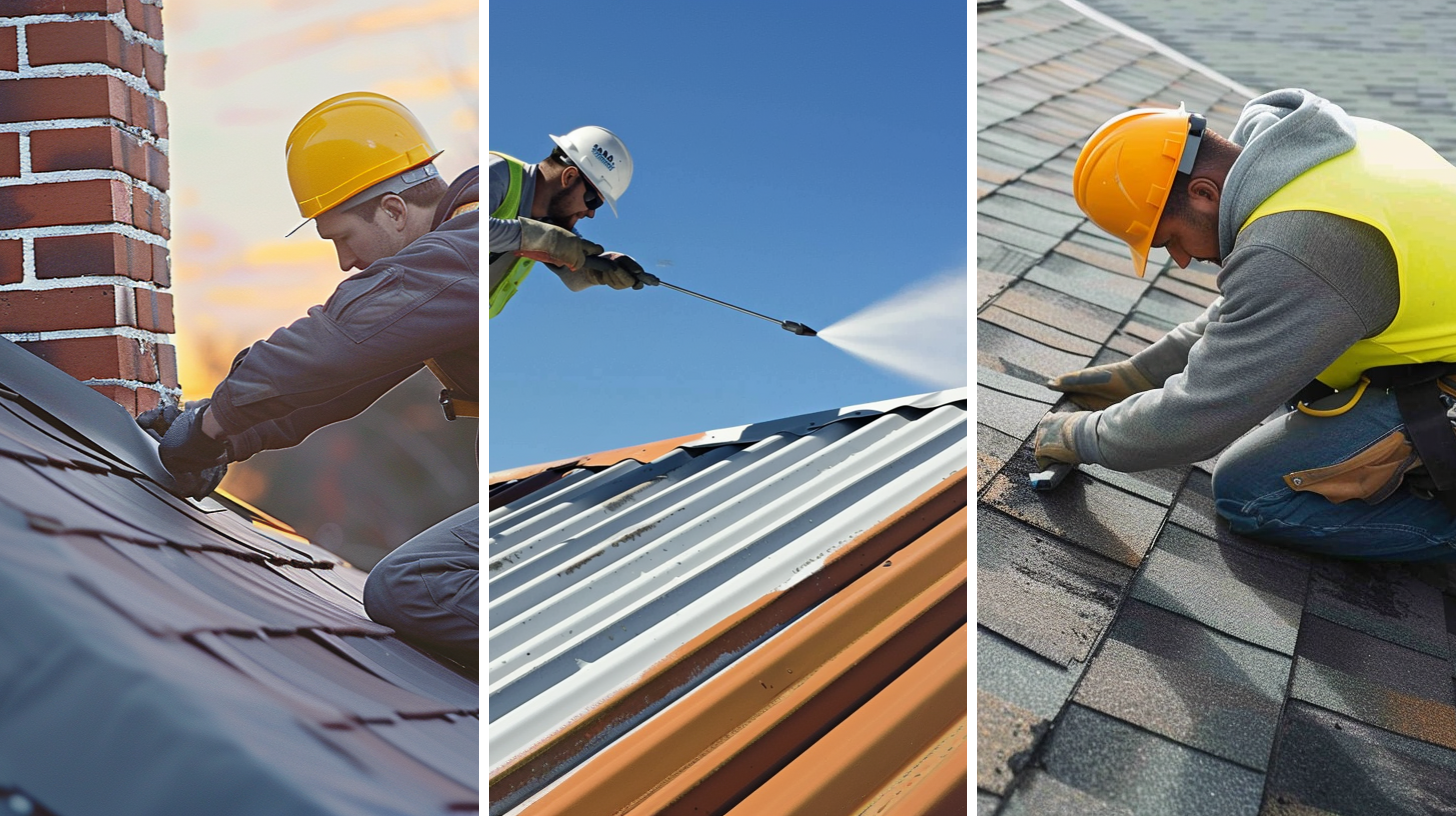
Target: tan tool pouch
(1370, 475)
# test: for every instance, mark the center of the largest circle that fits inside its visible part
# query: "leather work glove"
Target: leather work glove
(195, 484)
(626, 273)
(1056, 439)
(552, 244)
(1098, 387)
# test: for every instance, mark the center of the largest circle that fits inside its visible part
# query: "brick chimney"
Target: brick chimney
(84, 271)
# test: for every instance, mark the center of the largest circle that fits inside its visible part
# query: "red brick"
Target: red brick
(167, 364)
(104, 253)
(155, 63)
(84, 307)
(39, 98)
(21, 8)
(97, 201)
(97, 358)
(121, 395)
(82, 41)
(154, 311)
(12, 261)
(161, 265)
(9, 49)
(9, 154)
(147, 399)
(150, 213)
(104, 148)
(145, 18)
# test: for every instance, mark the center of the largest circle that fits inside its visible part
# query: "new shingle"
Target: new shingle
(1022, 677)
(1036, 591)
(1380, 599)
(1327, 763)
(1021, 356)
(1083, 511)
(1374, 681)
(1189, 683)
(1054, 308)
(1070, 276)
(1255, 596)
(1128, 767)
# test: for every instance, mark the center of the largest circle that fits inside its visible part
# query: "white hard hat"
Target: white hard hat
(602, 157)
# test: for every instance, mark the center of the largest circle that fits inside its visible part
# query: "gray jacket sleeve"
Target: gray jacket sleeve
(285, 432)
(1298, 290)
(381, 323)
(1169, 355)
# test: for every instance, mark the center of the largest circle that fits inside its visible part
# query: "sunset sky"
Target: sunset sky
(240, 73)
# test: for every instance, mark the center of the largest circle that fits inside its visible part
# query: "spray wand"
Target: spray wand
(603, 265)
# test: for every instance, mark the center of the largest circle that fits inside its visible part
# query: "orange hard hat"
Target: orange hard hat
(1127, 167)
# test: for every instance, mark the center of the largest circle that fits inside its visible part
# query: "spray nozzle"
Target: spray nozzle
(799, 329)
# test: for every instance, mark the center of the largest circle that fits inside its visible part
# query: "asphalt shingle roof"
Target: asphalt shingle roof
(162, 657)
(1133, 655)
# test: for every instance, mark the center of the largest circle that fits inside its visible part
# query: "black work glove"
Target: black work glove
(197, 484)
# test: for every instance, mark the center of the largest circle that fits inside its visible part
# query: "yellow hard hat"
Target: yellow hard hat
(349, 144)
(1127, 167)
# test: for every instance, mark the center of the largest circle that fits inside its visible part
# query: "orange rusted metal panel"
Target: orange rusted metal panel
(842, 771)
(861, 557)
(722, 741)
(934, 784)
(642, 453)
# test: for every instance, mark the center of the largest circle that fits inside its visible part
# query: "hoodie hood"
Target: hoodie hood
(1283, 133)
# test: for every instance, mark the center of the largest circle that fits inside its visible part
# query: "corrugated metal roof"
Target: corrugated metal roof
(615, 593)
(161, 657)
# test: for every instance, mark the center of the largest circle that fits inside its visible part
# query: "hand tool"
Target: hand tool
(1051, 477)
(603, 264)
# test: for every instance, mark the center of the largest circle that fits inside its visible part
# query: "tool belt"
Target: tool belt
(453, 400)
(1417, 388)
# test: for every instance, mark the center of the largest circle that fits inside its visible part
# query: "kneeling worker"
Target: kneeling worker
(361, 167)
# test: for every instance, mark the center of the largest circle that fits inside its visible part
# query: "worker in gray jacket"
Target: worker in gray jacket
(534, 209)
(1335, 305)
(361, 167)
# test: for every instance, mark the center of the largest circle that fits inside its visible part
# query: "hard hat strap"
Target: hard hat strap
(394, 184)
(1196, 126)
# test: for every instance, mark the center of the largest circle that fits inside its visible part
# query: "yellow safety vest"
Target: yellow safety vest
(510, 208)
(1397, 184)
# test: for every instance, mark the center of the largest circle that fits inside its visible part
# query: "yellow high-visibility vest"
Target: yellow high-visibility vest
(1399, 185)
(510, 208)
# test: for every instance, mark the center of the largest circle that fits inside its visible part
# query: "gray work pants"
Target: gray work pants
(428, 589)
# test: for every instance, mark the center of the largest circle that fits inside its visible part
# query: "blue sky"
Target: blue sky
(803, 160)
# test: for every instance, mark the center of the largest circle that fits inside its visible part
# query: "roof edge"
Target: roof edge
(1159, 46)
(736, 435)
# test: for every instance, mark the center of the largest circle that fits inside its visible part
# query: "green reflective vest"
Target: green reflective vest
(509, 209)
(1395, 183)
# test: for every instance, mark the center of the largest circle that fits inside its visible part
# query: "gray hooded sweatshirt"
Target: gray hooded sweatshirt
(1297, 290)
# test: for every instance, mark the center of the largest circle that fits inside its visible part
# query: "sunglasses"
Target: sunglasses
(591, 198)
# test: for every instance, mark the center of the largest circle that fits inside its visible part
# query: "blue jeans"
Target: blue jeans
(1250, 491)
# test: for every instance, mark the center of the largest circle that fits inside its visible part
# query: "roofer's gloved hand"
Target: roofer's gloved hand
(185, 448)
(625, 273)
(1056, 439)
(554, 245)
(1101, 386)
(157, 422)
